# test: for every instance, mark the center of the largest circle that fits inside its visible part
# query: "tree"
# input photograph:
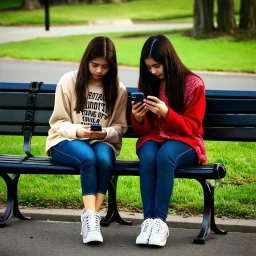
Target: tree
(203, 17)
(225, 17)
(31, 4)
(247, 14)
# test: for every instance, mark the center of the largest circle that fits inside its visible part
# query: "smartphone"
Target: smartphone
(96, 127)
(137, 97)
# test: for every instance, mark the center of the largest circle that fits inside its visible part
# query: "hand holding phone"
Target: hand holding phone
(137, 97)
(156, 106)
(139, 110)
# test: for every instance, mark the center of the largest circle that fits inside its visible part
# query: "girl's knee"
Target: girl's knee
(88, 160)
(165, 159)
(147, 157)
(105, 164)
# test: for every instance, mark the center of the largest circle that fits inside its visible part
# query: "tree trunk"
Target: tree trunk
(31, 4)
(203, 17)
(247, 14)
(226, 17)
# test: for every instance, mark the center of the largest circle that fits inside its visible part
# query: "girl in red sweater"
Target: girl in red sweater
(169, 125)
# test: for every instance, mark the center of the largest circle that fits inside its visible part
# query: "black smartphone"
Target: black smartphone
(137, 97)
(96, 127)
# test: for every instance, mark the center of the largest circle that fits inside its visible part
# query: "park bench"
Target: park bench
(25, 109)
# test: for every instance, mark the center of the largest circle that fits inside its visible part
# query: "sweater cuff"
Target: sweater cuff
(71, 131)
(106, 130)
(169, 118)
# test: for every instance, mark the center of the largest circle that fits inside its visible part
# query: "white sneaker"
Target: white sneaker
(91, 227)
(160, 232)
(145, 233)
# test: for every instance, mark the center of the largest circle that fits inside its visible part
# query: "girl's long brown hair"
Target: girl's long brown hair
(98, 47)
(161, 50)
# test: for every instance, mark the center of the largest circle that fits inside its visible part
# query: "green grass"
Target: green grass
(9, 4)
(216, 54)
(146, 10)
(235, 195)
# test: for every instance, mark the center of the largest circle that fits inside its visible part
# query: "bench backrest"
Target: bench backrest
(25, 109)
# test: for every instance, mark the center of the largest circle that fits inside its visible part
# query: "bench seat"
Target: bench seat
(46, 165)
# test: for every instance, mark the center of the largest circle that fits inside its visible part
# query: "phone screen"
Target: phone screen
(96, 127)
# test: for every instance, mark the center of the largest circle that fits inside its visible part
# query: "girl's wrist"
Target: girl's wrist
(165, 114)
(139, 119)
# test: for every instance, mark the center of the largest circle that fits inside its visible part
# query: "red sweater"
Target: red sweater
(187, 128)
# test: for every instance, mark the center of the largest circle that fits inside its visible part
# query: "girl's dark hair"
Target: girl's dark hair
(98, 47)
(161, 50)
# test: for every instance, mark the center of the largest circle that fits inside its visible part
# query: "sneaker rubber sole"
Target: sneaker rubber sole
(156, 242)
(93, 238)
(141, 240)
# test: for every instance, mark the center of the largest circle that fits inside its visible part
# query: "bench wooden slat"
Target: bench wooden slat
(12, 116)
(229, 94)
(230, 120)
(42, 117)
(11, 129)
(18, 100)
(239, 106)
(45, 101)
(7, 86)
(230, 134)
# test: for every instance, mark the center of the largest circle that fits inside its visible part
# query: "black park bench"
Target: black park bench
(25, 109)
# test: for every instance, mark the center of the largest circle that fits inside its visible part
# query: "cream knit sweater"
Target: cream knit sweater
(64, 121)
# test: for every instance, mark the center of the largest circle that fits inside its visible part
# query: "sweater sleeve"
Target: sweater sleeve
(61, 116)
(141, 129)
(190, 122)
(119, 124)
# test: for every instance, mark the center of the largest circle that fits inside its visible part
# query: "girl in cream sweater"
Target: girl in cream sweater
(91, 95)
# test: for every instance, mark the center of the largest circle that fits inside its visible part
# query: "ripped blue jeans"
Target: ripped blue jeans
(95, 163)
(158, 161)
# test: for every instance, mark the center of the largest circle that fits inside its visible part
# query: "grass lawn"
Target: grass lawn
(10, 4)
(216, 54)
(235, 195)
(137, 10)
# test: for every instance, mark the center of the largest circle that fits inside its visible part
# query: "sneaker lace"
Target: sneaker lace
(159, 226)
(146, 226)
(92, 221)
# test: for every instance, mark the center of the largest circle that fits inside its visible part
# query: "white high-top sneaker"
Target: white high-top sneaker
(91, 227)
(145, 233)
(160, 232)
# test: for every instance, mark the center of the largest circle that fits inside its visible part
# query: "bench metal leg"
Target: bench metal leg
(113, 214)
(12, 207)
(214, 227)
(208, 223)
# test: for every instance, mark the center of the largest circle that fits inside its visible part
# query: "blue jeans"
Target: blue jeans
(158, 161)
(95, 163)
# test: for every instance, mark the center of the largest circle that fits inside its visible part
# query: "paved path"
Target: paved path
(50, 72)
(19, 33)
(48, 238)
